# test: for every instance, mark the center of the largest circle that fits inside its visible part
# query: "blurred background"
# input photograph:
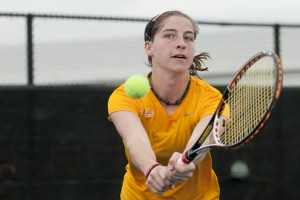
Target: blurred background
(61, 60)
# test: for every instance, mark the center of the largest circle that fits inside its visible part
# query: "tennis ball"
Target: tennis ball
(239, 170)
(137, 86)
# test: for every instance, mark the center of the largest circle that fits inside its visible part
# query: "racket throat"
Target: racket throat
(190, 156)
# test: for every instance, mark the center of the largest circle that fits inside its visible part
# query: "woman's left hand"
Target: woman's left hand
(179, 173)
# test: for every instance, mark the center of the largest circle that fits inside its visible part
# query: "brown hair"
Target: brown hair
(155, 24)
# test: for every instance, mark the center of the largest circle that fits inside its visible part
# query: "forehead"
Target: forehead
(177, 22)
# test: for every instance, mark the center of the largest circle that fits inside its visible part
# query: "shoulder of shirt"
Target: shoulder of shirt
(120, 88)
(204, 85)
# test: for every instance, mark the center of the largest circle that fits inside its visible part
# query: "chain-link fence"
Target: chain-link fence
(76, 50)
(57, 143)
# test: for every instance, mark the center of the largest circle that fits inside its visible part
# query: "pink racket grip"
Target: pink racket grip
(182, 160)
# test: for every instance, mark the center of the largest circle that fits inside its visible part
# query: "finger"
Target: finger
(181, 176)
(157, 180)
(172, 186)
(184, 169)
(172, 164)
(154, 187)
(181, 173)
(169, 183)
(174, 158)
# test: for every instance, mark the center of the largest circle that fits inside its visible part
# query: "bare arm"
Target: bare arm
(135, 138)
(177, 173)
(195, 136)
(141, 153)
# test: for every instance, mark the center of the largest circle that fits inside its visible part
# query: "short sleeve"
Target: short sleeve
(212, 102)
(119, 101)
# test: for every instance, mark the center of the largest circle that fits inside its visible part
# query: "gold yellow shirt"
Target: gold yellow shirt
(169, 134)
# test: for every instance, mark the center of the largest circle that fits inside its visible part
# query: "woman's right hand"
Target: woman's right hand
(158, 182)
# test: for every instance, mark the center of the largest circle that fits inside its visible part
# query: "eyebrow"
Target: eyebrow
(174, 30)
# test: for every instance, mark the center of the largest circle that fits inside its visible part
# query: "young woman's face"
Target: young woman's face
(173, 45)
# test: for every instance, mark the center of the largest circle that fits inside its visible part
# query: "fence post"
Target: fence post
(277, 38)
(30, 80)
(31, 109)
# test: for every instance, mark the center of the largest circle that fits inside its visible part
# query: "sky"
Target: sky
(243, 11)
(257, 11)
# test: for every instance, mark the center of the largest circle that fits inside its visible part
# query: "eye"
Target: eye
(190, 38)
(169, 36)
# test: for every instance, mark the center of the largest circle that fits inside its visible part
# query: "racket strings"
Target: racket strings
(249, 101)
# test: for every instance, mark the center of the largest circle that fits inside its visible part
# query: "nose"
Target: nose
(180, 47)
(181, 43)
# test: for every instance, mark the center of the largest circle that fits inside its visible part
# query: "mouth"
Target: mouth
(179, 56)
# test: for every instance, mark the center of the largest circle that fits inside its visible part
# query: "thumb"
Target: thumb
(171, 165)
(173, 160)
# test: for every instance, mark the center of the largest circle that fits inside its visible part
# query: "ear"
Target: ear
(148, 48)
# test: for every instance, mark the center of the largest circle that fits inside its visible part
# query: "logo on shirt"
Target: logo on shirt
(187, 114)
(148, 114)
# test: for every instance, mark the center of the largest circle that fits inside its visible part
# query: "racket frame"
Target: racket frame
(212, 126)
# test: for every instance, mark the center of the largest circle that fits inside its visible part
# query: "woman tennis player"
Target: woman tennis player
(169, 118)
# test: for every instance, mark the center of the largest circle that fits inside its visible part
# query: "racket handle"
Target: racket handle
(182, 160)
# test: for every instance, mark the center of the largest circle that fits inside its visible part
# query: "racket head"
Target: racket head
(250, 96)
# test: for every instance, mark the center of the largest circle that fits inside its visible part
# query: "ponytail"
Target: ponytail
(198, 63)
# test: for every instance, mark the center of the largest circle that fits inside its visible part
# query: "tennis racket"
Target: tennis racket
(250, 96)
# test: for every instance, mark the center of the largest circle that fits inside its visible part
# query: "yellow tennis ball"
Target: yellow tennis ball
(137, 86)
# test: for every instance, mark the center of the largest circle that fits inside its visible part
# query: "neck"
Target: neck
(165, 100)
